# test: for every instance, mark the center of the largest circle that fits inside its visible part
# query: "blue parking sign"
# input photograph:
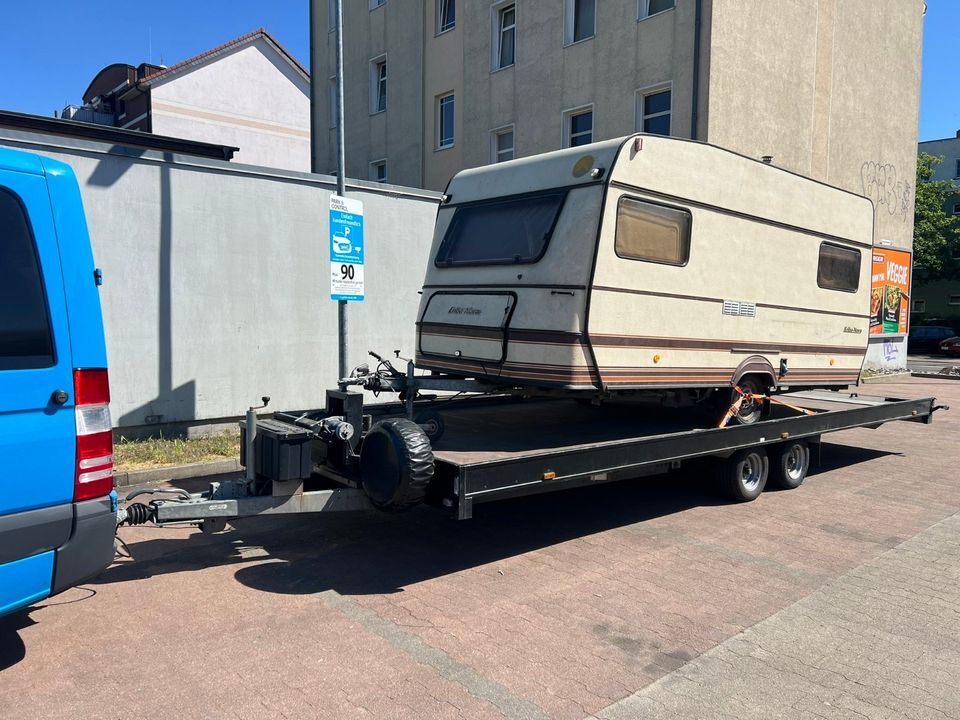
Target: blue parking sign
(346, 248)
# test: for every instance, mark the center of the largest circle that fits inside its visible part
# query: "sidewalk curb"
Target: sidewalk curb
(886, 377)
(152, 476)
(936, 376)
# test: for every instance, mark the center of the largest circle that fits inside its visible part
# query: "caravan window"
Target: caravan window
(654, 233)
(506, 230)
(839, 268)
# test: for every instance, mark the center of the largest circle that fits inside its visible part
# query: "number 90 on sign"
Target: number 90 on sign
(346, 281)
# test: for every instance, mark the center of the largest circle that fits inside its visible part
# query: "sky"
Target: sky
(52, 49)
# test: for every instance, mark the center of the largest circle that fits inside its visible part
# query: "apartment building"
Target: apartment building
(826, 88)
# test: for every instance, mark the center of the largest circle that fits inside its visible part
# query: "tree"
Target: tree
(936, 232)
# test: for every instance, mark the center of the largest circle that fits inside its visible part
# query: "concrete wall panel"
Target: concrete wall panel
(216, 279)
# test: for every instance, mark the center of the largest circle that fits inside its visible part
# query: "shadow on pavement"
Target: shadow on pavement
(364, 553)
(12, 649)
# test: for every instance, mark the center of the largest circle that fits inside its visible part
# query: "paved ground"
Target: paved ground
(930, 363)
(651, 598)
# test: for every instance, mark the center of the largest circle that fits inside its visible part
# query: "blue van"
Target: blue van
(57, 504)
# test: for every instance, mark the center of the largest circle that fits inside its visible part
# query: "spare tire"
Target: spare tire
(396, 464)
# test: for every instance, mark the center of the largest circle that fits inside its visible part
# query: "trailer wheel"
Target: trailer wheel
(431, 422)
(396, 464)
(744, 474)
(790, 464)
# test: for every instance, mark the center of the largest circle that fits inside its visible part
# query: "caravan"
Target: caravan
(647, 265)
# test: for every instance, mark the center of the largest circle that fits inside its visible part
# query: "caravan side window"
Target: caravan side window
(839, 268)
(654, 233)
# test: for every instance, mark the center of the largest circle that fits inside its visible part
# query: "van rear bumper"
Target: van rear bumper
(75, 541)
(90, 548)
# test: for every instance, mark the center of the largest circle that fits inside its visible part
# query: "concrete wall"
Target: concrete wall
(216, 278)
(269, 121)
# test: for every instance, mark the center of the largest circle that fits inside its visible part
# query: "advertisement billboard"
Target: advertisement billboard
(890, 291)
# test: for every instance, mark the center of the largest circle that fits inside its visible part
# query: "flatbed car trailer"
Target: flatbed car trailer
(352, 457)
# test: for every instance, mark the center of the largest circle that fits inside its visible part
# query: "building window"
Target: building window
(579, 21)
(378, 171)
(956, 208)
(332, 95)
(955, 299)
(919, 307)
(378, 84)
(957, 173)
(446, 15)
(501, 145)
(445, 121)
(504, 36)
(374, 4)
(652, 233)
(838, 268)
(646, 8)
(653, 111)
(578, 127)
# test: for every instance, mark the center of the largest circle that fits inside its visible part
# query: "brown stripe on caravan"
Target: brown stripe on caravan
(482, 332)
(705, 298)
(678, 343)
(540, 337)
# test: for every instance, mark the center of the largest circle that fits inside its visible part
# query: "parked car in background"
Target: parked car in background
(951, 346)
(927, 338)
(57, 503)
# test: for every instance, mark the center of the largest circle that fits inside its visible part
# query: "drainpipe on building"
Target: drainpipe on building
(314, 89)
(695, 95)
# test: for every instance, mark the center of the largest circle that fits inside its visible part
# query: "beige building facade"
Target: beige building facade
(828, 88)
(249, 93)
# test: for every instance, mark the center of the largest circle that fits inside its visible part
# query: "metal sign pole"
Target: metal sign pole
(341, 189)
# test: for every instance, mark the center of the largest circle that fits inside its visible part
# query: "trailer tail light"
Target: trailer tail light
(94, 470)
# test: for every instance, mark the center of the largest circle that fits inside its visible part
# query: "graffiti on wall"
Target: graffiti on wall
(889, 190)
(890, 351)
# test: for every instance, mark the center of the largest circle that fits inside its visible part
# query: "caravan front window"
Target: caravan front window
(506, 230)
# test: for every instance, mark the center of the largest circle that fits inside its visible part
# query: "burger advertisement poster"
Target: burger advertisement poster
(890, 291)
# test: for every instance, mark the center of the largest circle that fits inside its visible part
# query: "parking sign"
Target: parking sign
(346, 248)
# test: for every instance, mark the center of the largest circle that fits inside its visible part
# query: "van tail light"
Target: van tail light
(94, 471)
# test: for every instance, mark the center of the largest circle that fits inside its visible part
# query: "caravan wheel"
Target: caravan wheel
(751, 411)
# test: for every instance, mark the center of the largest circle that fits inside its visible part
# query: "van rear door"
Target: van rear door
(37, 427)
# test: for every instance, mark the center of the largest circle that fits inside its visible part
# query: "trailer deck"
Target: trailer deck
(497, 448)
(544, 446)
